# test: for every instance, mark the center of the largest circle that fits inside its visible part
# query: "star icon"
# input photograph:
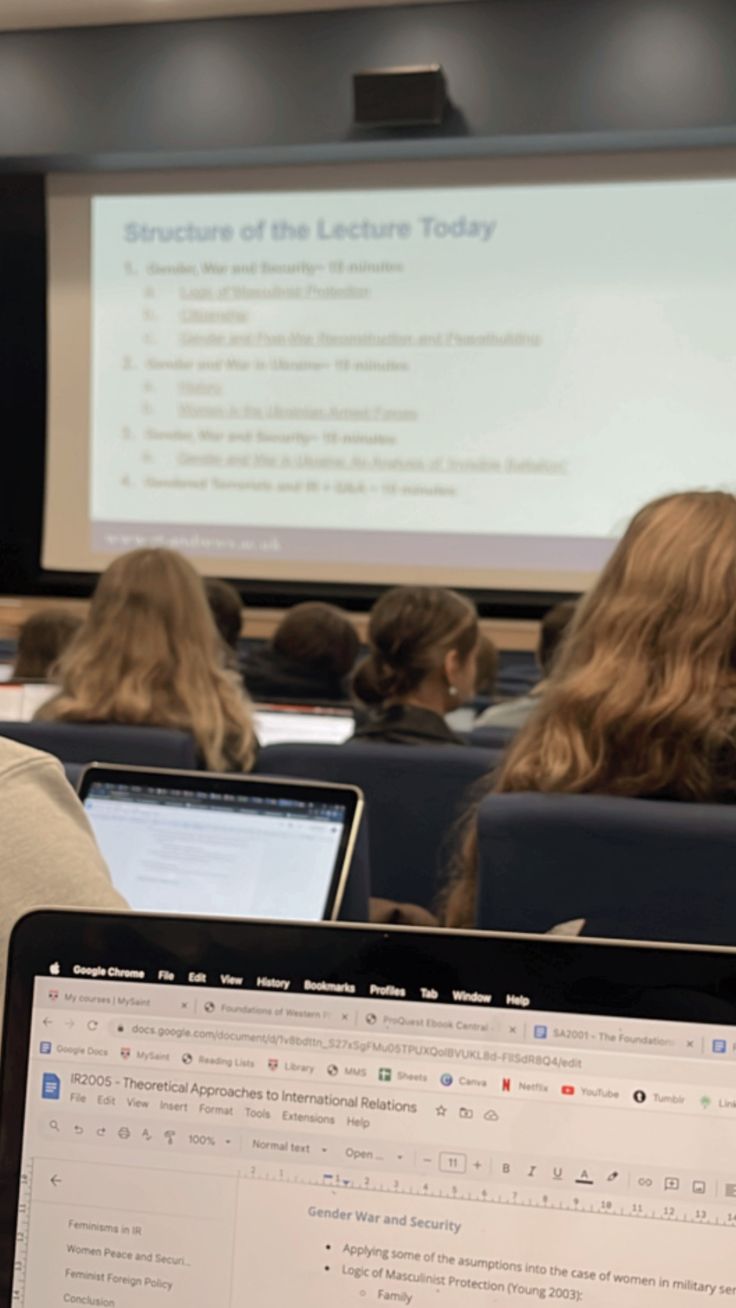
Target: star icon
(441, 1111)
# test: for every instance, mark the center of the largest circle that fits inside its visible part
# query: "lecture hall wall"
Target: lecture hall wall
(524, 75)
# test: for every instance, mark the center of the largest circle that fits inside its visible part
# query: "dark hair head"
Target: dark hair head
(411, 630)
(319, 635)
(227, 609)
(485, 680)
(553, 626)
(42, 639)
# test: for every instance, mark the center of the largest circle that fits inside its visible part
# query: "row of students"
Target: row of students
(159, 648)
(640, 701)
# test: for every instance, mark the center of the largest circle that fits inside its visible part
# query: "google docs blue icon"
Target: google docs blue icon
(50, 1086)
(720, 1047)
(540, 1033)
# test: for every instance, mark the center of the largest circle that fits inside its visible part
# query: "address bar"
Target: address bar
(360, 1045)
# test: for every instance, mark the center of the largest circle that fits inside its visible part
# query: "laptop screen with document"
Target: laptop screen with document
(231, 1113)
(243, 847)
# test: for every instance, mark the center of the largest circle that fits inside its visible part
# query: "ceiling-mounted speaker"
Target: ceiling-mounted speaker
(400, 97)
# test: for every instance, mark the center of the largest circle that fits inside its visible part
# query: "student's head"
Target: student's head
(227, 609)
(552, 628)
(149, 654)
(486, 673)
(318, 636)
(41, 641)
(641, 700)
(423, 643)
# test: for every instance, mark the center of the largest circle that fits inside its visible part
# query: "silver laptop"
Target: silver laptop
(241, 846)
(223, 1113)
(313, 724)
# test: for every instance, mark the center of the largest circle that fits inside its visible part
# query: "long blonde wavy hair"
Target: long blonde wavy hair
(149, 654)
(642, 697)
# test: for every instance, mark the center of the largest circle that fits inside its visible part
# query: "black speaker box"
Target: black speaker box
(400, 97)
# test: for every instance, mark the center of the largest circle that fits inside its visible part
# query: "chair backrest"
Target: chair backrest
(80, 742)
(633, 868)
(414, 796)
(496, 738)
(518, 671)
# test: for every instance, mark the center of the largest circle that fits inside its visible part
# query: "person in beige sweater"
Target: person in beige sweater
(48, 854)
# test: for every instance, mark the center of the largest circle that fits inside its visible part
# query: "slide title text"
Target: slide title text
(362, 229)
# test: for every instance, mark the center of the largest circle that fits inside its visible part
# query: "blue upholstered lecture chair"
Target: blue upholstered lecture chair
(80, 743)
(633, 868)
(414, 796)
(495, 738)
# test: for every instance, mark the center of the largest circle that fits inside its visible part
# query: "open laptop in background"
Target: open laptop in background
(20, 700)
(241, 846)
(313, 724)
(231, 1113)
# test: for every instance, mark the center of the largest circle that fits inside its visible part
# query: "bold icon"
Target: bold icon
(466, 1113)
(273, 1064)
(698, 1187)
(567, 1089)
(50, 1086)
(333, 1069)
(540, 1033)
(54, 968)
(125, 1052)
(490, 1115)
(720, 1047)
(671, 1183)
(446, 1079)
(506, 1085)
(384, 1073)
(640, 1096)
(371, 1019)
(730, 1190)
(187, 1059)
(44, 1047)
(53, 995)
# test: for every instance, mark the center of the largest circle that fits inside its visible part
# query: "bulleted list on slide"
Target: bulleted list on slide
(449, 360)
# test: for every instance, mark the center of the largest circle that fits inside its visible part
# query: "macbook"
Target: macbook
(20, 700)
(216, 1112)
(241, 846)
(312, 724)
